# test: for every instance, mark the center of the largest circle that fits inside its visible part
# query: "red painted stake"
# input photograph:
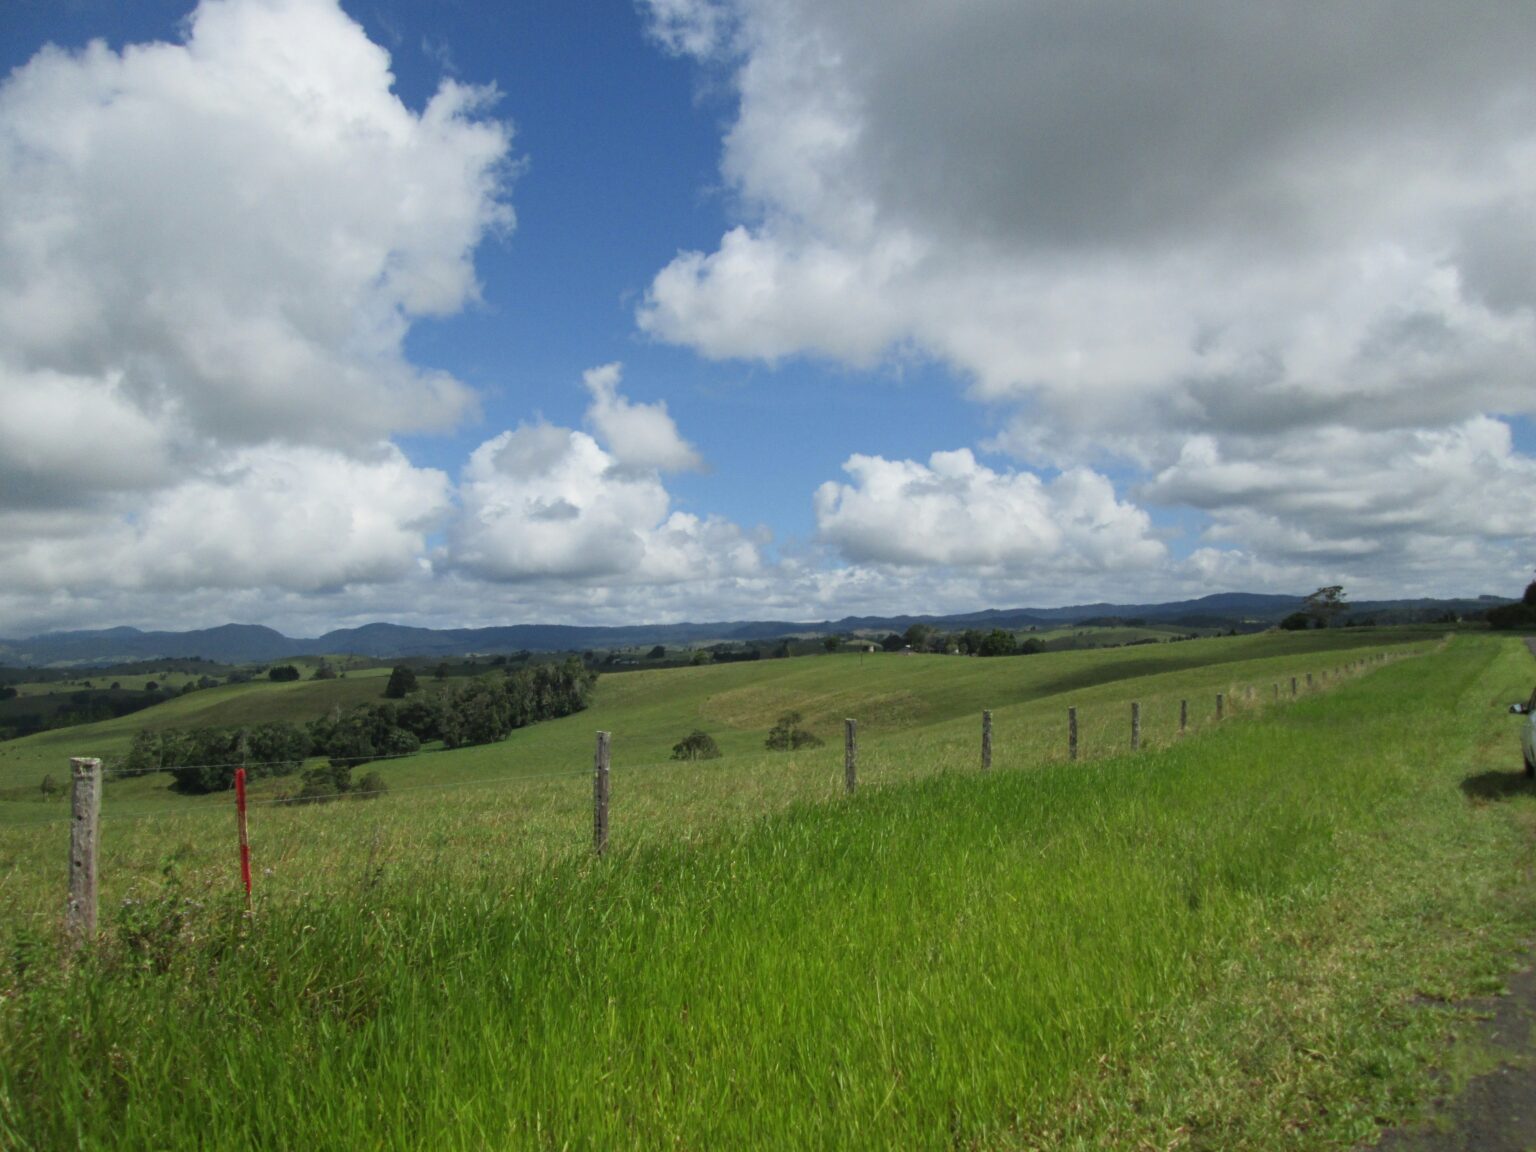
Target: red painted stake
(245, 843)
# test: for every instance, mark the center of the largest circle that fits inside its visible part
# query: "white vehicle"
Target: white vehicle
(1527, 733)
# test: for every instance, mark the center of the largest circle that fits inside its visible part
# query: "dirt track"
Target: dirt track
(1496, 1112)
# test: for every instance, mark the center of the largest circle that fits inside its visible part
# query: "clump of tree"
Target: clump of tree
(324, 670)
(1517, 616)
(788, 735)
(366, 732)
(204, 759)
(330, 782)
(281, 673)
(998, 642)
(697, 745)
(489, 708)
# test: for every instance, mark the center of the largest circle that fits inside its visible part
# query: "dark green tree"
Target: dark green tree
(402, 682)
(917, 636)
(997, 643)
(281, 672)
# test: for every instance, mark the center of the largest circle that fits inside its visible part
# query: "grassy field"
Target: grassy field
(649, 711)
(1240, 939)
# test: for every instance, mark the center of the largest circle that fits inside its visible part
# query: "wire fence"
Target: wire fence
(1094, 737)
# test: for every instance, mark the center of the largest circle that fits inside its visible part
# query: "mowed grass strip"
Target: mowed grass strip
(1217, 943)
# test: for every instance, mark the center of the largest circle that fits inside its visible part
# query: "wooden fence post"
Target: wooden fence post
(1071, 733)
(1309, 681)
(1293, 687)
(1220, 706)
(1183, 716)
(850, 755)
(600, 795)
(84, 842)
(986, 741)
(1135, 725)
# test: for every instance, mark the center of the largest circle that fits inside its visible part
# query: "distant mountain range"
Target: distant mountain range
(252, 643)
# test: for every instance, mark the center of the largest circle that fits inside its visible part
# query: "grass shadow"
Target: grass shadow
(1498, 785)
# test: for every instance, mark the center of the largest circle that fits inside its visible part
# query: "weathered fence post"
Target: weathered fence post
(600, 795)
(986, 740)
(84, 841)
(1135, 725)
(850, 755)
(1183, 716)
(1071, 733)
(1293, 687)
(1309, 681)
(1221, 701)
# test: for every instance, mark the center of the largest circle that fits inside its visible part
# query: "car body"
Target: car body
(1527, 732)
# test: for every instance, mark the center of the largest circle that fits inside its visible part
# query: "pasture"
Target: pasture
(1228, 939)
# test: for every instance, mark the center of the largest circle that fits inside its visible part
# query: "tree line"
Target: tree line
(481, 711)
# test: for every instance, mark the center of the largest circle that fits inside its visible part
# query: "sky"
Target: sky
(603, 311)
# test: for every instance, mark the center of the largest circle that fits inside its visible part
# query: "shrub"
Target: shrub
(697, 745)
(282, 672)
(370, 787)
(787, 735)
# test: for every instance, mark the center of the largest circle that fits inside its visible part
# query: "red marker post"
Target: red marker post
(245, 843)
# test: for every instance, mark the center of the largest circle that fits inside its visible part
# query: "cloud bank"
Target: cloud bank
(1161, 237)
(210, 253)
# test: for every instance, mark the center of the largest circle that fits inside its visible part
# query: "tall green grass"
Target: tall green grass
(1052, 955)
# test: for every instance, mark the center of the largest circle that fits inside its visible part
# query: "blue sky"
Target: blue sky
(464, 313)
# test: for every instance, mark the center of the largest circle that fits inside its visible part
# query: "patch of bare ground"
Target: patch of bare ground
(1496, 1111)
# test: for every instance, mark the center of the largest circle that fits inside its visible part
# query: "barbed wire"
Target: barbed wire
(296, 801)
(125, 773)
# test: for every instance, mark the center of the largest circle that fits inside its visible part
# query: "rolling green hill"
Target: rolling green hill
(1245, 938)
(923, 697)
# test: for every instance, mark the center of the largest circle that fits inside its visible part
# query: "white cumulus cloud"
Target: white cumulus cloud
(955, 511)
(638, 435)
(211, 252)
(1128, 227)
(295, 517)
(544, 503)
